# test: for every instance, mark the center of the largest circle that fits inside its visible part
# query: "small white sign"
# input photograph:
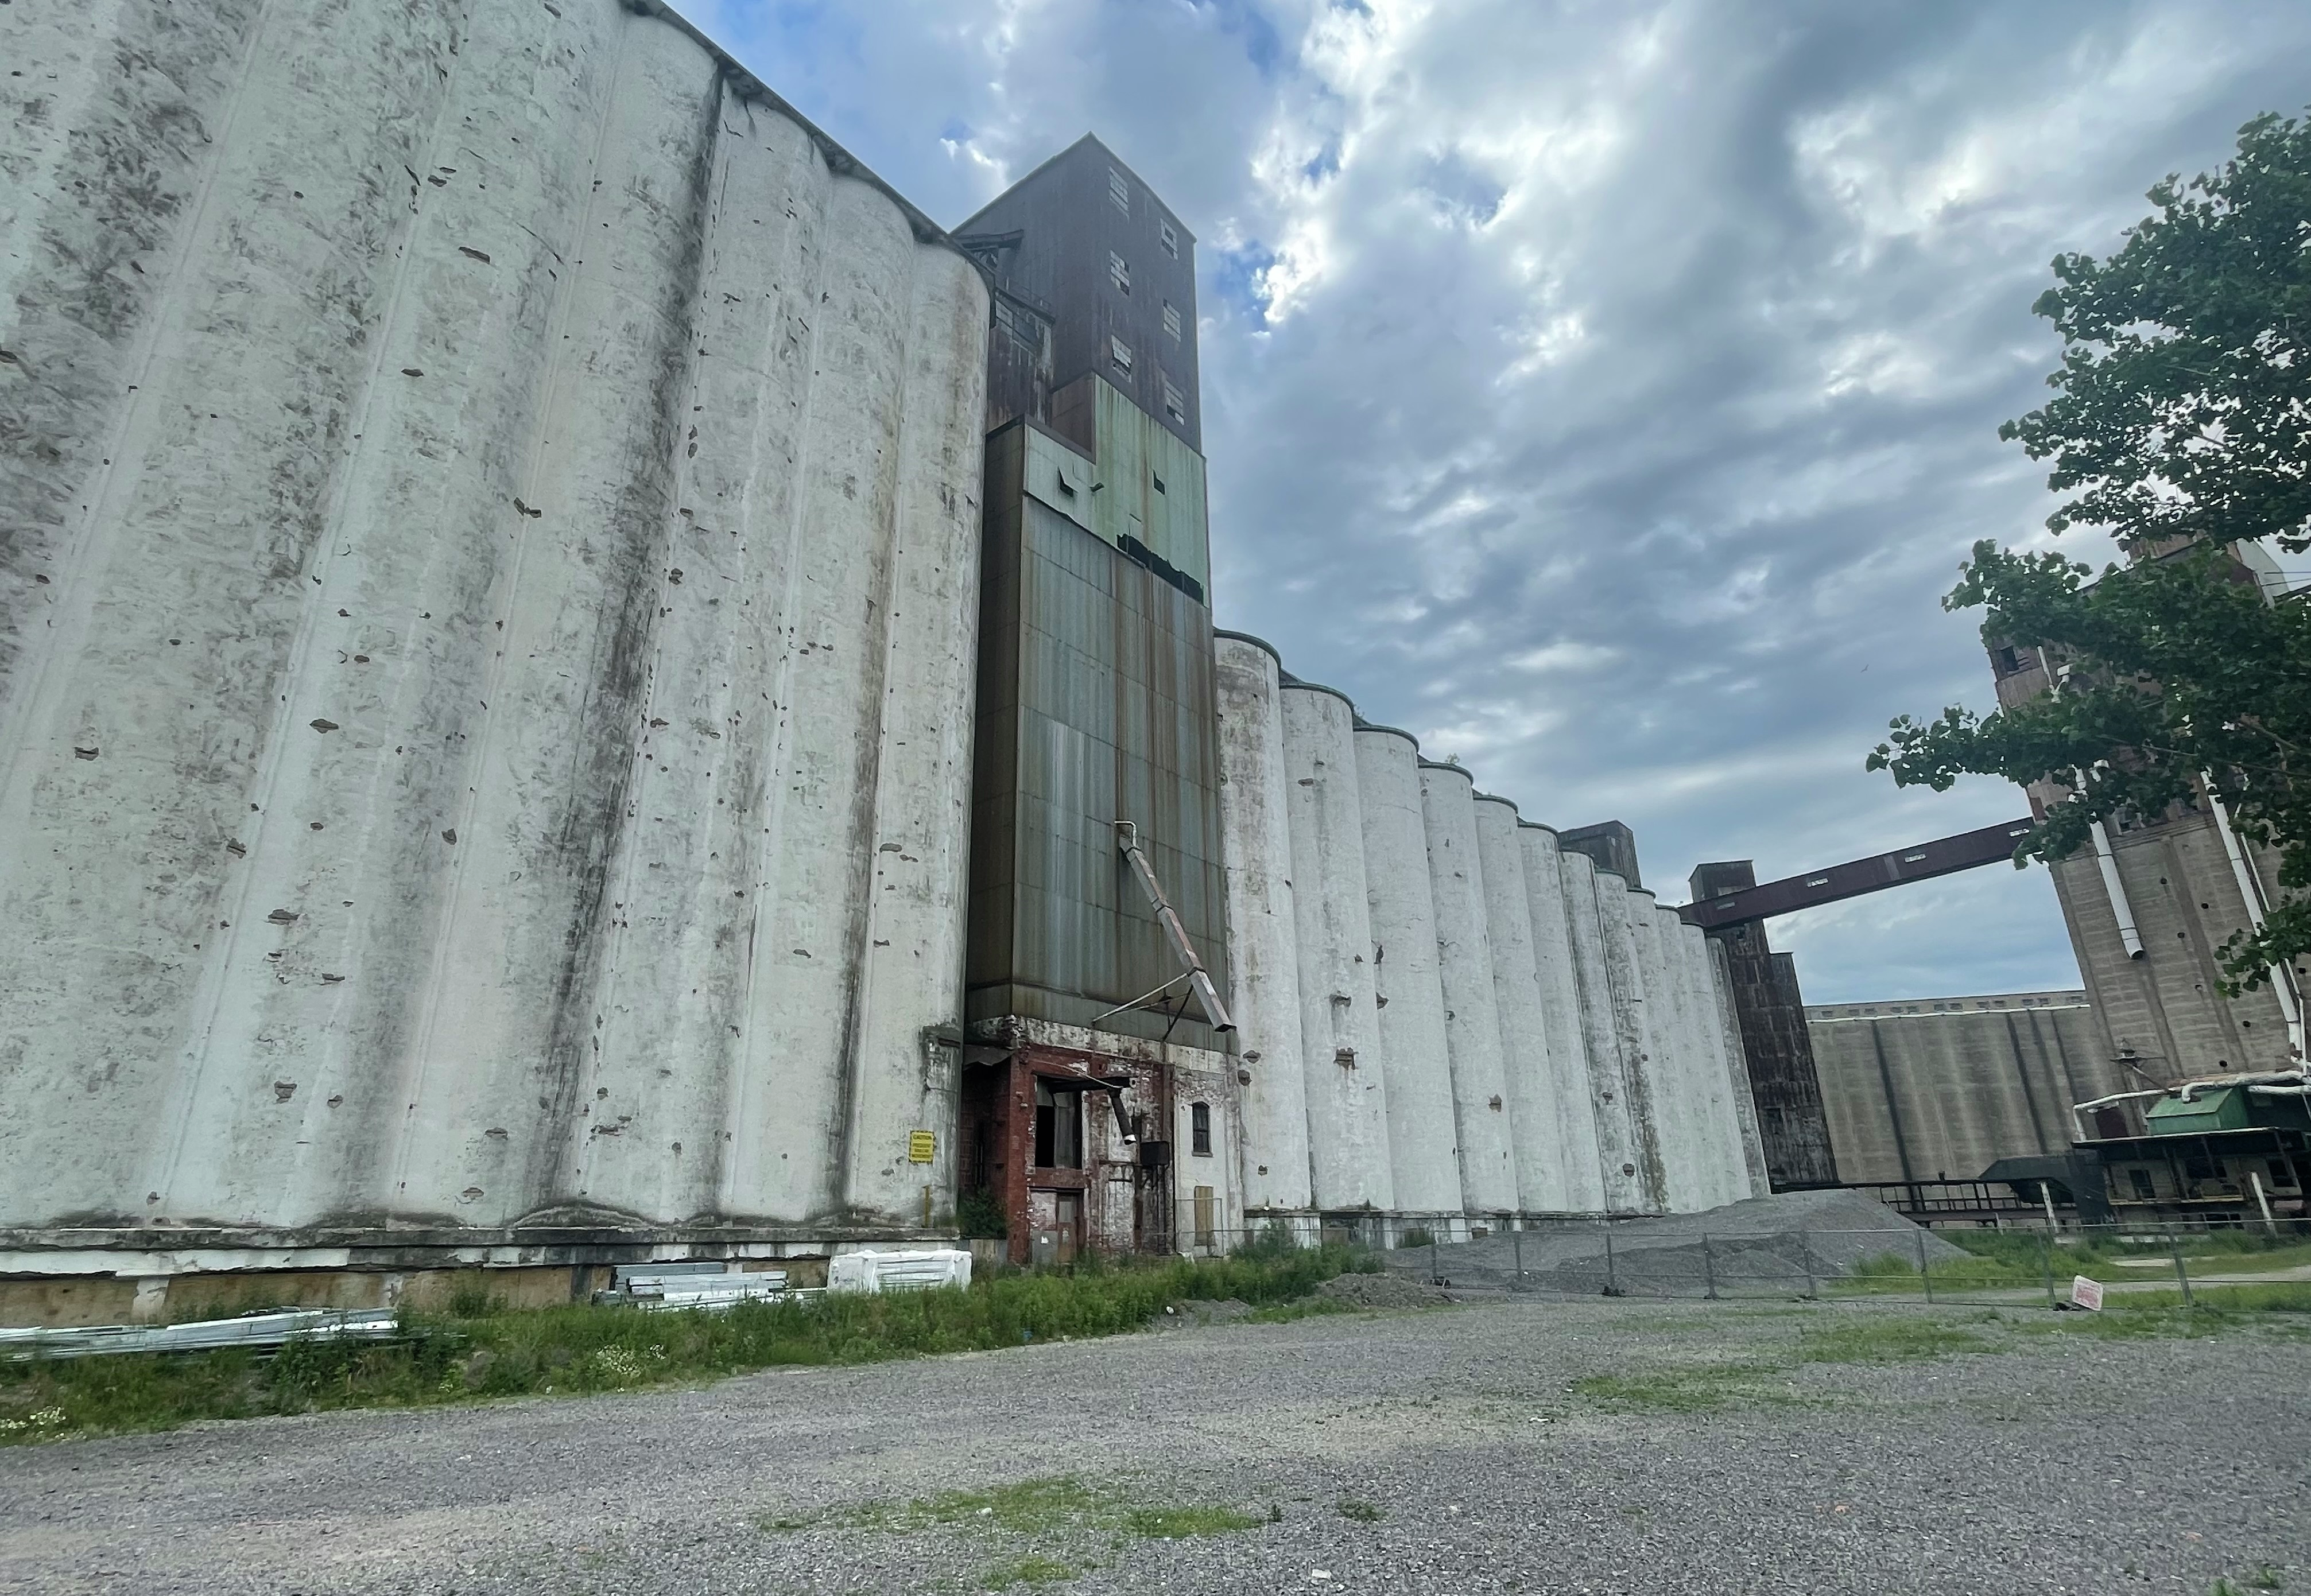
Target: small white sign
(2086, 1293)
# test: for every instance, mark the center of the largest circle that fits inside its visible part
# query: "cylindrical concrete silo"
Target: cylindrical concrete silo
(1572, 1091)
(1472, 1021)
(1527, 1046)
(1624, 970)
(1672, 1111)
(1263, 935)
(1591, 934)
(575, 804)
(1691, 1071)
(1344, 1080)
(1423, 1134)
(1724, 1041)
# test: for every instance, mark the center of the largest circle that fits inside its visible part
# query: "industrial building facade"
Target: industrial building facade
(579, 682)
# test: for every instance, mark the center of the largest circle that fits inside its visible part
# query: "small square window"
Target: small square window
(1171, 239)
(1119, 190)
(1170, 318)
(1200, 1130)
(1118, 352)
(1118, 272)
(1157, 480)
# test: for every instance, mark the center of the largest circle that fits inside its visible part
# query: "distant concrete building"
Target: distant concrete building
(2149, 906)
(1939, 1089)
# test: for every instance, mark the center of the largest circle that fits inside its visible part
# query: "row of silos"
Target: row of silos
(488, 590)
(1442, 1012)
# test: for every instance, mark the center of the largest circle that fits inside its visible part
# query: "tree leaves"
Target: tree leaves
(2181, 426)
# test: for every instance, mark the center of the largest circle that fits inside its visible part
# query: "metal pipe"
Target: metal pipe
(1126, 836)
(2261, 1201)
(2250, 885)
(2116, 890)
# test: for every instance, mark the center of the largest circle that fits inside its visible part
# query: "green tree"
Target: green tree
(2181, 426)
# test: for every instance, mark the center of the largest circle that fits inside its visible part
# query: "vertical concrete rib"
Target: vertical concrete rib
(1409, 992)
(911, 949)
(1746, 1163)
(1572, 1091)
(512, 1018)
(1629, 915)
(816, 841)
(1526, 1044)
(1345, 1080)
(1473, 1020)
(1692, 1069)
(1263, 936)
(1596, 935)
(187, 344)
(672, 1055)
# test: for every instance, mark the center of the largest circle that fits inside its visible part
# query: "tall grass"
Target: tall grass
(479, 1351)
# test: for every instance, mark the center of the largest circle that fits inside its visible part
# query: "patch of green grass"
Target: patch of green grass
(1695, 1388)
(1364, 1513)
(1179, 1523)
(583, 1349)
(1033, 1571)
(1887, 1341)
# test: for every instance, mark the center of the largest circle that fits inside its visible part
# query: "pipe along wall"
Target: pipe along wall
(487, 607)
(1474, 1021)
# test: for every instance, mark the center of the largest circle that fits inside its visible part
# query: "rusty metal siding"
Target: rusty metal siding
(1097, 692)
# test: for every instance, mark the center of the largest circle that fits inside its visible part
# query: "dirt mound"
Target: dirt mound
(1380, 1291)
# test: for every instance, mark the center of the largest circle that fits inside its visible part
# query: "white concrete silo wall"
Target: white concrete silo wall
(1653, 1108)
(1408, 991)
(1346, 1083)
(1572, 1092)
(1472, 1021)
(1587, 896)
(1688, 1068)
(1737, 1124)
(1527, 1046)
(423, 646)
(1263, 935)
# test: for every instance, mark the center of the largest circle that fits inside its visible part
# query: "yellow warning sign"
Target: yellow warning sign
(920, 1146)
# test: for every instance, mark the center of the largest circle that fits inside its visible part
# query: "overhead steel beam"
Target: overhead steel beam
(1945, 856)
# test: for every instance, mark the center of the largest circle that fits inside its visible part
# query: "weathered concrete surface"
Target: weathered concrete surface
(1346, 1078)
(1472, 1021)
(1525, 1042)
(1572, 1092)
(1736, 1063)
(1263, 935)
(483, 638)
(1721, 1058)
(1598, 928)
(1423, 1140)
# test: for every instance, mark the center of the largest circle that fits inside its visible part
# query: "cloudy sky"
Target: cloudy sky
(1606, 391)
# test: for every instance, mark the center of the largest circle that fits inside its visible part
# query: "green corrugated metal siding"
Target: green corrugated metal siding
(1095, 705)
(2224, 1108)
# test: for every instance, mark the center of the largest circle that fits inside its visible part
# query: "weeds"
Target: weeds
(1033, 1571)
(583, 1349)
(1886, 1341)
(1697, 1388)
(1417, 1237)
(1364, 1513)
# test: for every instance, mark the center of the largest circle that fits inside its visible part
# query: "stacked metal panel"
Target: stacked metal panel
(485, 658)
(1485, 1025)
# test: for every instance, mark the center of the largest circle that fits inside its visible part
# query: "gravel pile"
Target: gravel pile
(1381, 1291)
(1769, 1246)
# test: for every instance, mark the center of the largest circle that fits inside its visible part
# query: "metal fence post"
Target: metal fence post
(1435, 1275)
(1925, 1276)
(1708, 1269)
(2182, 1274)
(2046, 1261)
(1519, 1236)
(1612, 1281)
(1805, 1251)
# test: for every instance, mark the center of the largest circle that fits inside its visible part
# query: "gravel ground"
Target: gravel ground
(1452, 1449)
